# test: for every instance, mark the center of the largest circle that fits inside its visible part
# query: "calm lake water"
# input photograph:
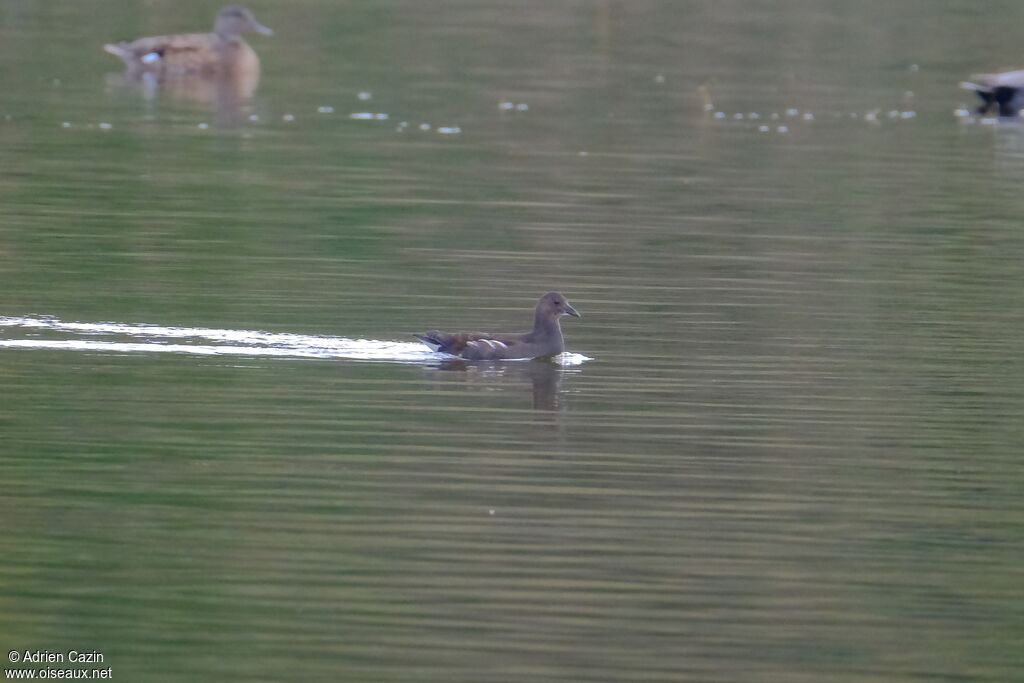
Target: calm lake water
(789, 445)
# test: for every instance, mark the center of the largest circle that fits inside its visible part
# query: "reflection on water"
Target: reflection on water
(543, 378)
(226, 96)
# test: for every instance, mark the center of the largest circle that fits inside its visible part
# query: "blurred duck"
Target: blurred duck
(544, 340)
(222, 53)
(1001, 92)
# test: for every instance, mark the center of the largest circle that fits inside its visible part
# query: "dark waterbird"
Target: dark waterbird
(221, 53)
(1002, 92)
(544, 340)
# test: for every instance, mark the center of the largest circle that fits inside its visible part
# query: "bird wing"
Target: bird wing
(472, 345)
(184, 51)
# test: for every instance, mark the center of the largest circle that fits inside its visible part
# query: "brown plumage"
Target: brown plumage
(544, 340)
(221, 53)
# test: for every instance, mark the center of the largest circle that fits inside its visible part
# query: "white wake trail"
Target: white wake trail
(226, 342)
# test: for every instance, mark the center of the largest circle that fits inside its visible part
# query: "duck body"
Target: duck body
(221, 53)
(187, 54)
(1001, 92)
(545, 339)
(488, 346)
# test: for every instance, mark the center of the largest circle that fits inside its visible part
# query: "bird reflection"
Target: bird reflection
(227, 96)
(544, 378)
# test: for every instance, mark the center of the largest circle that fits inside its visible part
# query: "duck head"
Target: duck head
(553, 306)
(234, 20)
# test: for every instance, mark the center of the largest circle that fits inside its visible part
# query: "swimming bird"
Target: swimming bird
(221, 53)
(1002, 91)
(544, 340)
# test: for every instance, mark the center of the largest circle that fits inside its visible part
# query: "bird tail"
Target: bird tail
(975, 87)
(120, 51)
(434, 339)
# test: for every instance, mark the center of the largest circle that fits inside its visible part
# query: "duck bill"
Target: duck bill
(261, 29)
(572, 311)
